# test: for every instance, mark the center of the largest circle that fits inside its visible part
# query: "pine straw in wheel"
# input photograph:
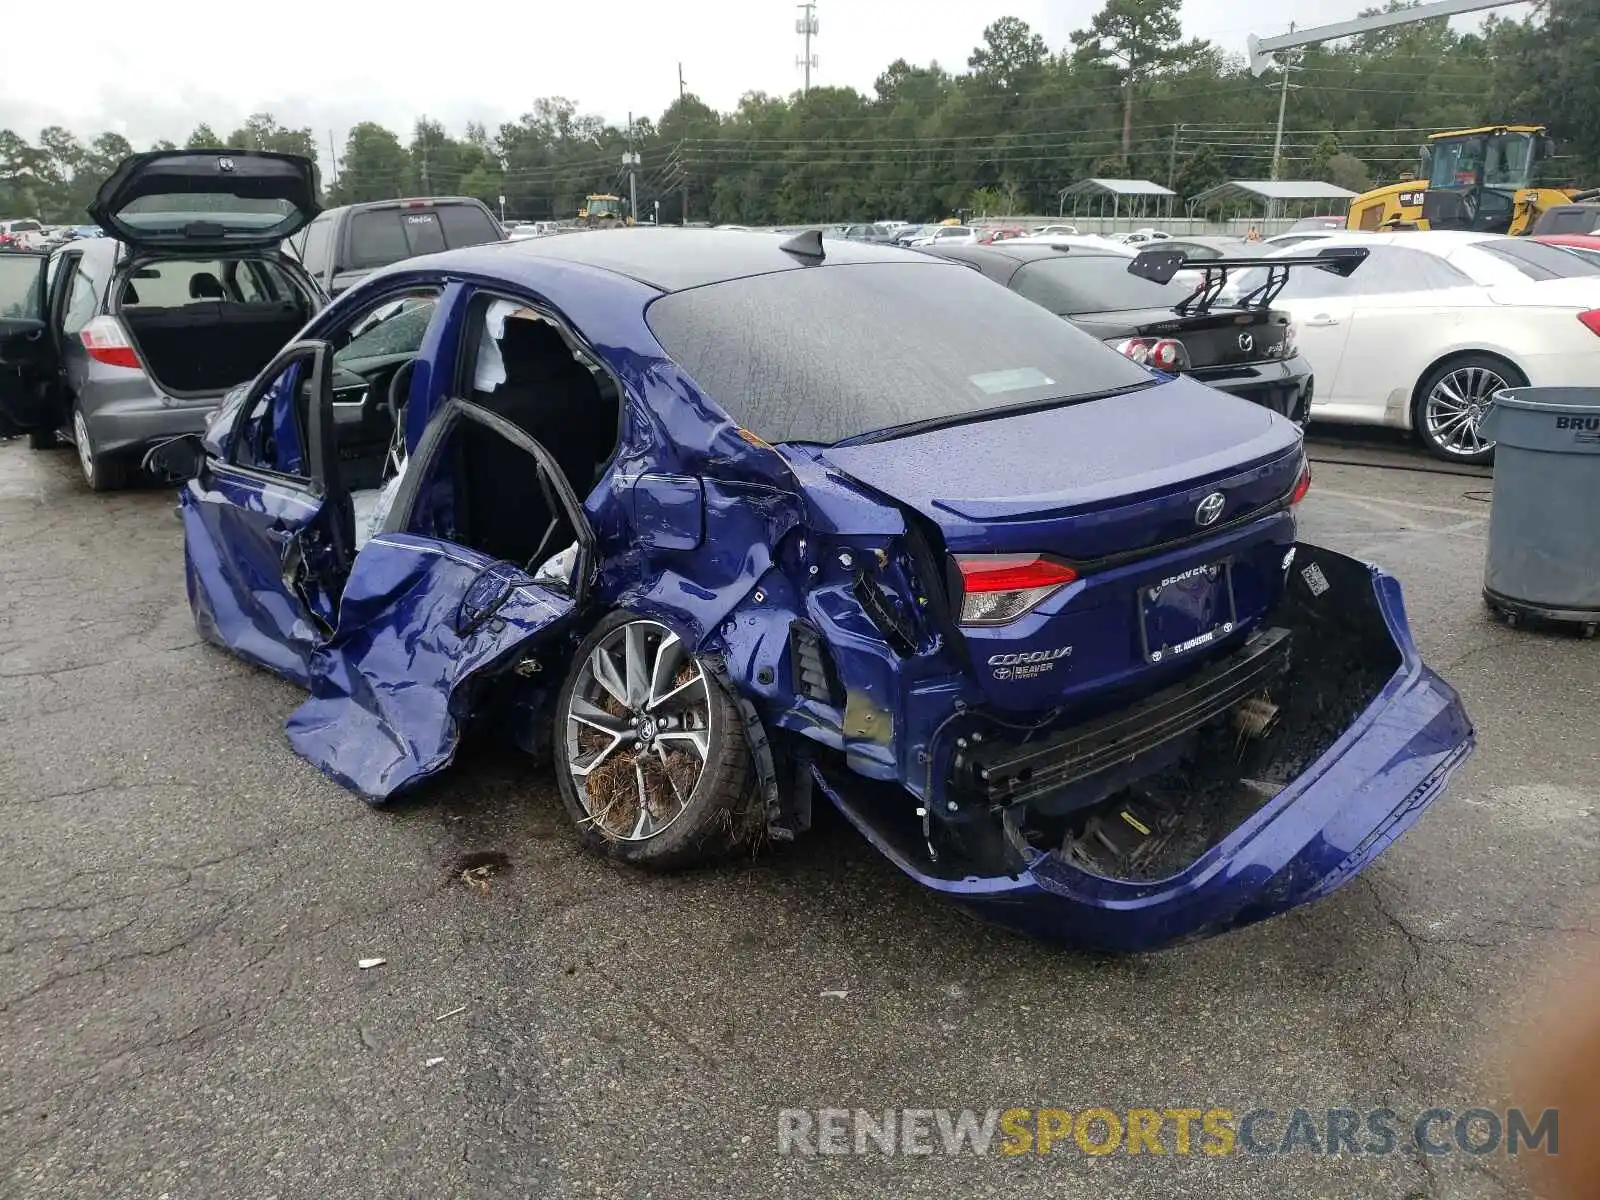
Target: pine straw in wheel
(613, 789)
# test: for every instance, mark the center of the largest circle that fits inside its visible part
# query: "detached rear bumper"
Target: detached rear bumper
(1360, 794)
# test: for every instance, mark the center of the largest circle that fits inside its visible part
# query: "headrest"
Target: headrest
(203, 285)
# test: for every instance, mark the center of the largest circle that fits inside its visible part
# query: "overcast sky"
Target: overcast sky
(331, 63)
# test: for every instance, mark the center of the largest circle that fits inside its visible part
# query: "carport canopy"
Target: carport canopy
(1268, 192)
(1120, 196)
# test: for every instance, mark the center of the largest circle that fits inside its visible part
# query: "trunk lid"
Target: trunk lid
(1218, 338)
(207, 200)
(1124, 491)
(1085, 480)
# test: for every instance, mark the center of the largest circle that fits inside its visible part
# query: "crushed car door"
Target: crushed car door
(426, 622)
(28, 359)
(269, 542)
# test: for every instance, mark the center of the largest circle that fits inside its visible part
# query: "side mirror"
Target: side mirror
(178, 460)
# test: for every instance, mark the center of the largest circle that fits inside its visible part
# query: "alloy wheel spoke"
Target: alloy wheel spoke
(700, 739)
(604, 670)
(636, 664)
(643, 818)
(670, 654)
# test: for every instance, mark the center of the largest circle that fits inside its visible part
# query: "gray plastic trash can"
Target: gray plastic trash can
(1544, 526)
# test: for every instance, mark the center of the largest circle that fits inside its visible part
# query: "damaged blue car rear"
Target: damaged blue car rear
(721, 526)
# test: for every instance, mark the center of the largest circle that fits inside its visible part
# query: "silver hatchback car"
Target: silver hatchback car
(117, 343)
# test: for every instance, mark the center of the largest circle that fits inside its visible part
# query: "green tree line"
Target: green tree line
(1127, 97)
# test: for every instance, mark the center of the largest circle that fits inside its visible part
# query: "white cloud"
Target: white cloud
(330, 63)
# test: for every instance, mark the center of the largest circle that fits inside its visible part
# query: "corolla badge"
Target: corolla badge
(1210, 509)
(1027, 664)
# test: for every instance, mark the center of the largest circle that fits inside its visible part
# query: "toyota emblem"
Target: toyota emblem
(1246, 342)
(1210, 509)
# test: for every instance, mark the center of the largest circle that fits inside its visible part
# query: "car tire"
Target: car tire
(1451, 401)
(100, 472)
(44, 439)
(645, 804)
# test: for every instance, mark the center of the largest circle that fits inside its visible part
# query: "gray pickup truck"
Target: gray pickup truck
(346, 244)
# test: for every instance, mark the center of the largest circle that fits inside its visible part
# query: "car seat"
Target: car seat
(203, 285)
(554, 398)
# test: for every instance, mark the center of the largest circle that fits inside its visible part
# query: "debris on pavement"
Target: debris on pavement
(366, 964)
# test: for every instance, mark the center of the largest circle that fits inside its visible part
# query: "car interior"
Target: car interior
(202, 327)
(528, 373)
(482, 491)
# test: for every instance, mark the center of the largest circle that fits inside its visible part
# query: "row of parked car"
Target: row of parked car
(27, 234)
(134, 337)
(721, 523)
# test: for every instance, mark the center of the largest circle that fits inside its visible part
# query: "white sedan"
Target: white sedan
(950, 235)
(1432, 324)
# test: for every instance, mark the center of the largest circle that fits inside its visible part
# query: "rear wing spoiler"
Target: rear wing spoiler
(1160, 266)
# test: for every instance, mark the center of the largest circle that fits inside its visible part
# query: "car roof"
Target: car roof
(1430, 241)
(1585, 240)
(667, 259)
(430, 202)
(1020, 251)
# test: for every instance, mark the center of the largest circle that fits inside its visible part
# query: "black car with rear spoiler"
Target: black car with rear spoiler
(1172, 313)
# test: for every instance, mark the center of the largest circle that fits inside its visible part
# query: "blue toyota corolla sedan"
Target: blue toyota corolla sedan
(723, 524)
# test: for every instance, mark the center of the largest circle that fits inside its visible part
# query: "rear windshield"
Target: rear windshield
(24, 227)
(823, 354)
(174, 212)
(1537, 260)
(1072, 284)
(382, 236)
(173, 284)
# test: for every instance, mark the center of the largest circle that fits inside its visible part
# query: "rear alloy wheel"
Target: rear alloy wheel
(102, 474)
(652, 760)
(1452, 402)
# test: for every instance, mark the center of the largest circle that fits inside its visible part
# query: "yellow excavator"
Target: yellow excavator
(1492, 179)
(601, 211)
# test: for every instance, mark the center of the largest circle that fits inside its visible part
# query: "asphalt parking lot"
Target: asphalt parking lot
(183, 904)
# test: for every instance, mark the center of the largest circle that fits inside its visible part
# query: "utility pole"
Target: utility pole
(1172, 156)
(422, 136)
(683, 219)
(1286, 65)
(807, 28)
(333, 162)
(631, 161)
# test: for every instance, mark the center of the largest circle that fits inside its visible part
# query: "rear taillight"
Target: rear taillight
(416, 204)
(107, 342)
(1301, 485)
(1591, 320)
(1164, 354)
(996, 588)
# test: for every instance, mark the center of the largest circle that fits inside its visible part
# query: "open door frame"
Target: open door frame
(29, 365)
(423, 624)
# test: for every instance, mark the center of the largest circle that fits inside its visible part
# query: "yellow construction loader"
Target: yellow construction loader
(601, 211)
(1492, 179)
